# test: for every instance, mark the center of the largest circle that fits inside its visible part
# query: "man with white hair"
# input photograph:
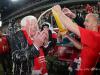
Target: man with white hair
(25, 44)
(39, 66)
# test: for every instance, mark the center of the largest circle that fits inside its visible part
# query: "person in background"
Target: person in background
(5, 57)
(52, 38)
(89, 8)
(40, 65)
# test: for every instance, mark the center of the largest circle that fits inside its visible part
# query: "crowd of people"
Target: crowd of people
(25, 49)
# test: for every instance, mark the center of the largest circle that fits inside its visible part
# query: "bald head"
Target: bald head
(91, 21)
(92, 17)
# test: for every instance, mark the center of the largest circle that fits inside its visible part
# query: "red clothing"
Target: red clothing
(30, 42)
(40, 63)
(89, 55)
(99, 28)
(54, 35)
(68, 53)
(99, 53)
(89, 8)
(4, 47)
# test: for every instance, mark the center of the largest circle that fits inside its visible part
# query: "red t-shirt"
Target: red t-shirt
(99, 53)
(90, 52)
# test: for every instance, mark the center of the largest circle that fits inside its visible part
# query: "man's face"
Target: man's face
(89, 22)
(33, 27)
(29, 23)
(45, 28)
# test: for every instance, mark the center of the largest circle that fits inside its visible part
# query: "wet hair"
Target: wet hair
(29, 17)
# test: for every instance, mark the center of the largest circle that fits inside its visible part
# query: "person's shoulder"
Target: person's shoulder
(86, 30)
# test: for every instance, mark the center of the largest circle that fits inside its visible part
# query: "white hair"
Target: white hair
(24, 20)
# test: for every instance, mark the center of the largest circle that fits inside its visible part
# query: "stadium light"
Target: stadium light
(0, 23)
(14, 0)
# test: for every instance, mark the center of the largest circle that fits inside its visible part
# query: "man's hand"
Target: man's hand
(39, 38)
(66, 21)
(57, 8)
(68, 13)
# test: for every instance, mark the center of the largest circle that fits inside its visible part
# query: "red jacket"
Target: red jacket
(4, 47)
(40, 62)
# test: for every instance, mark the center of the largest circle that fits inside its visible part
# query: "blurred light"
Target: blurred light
(0, 23)
(14, 0)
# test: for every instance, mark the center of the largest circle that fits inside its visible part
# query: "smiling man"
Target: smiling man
(90, 39)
